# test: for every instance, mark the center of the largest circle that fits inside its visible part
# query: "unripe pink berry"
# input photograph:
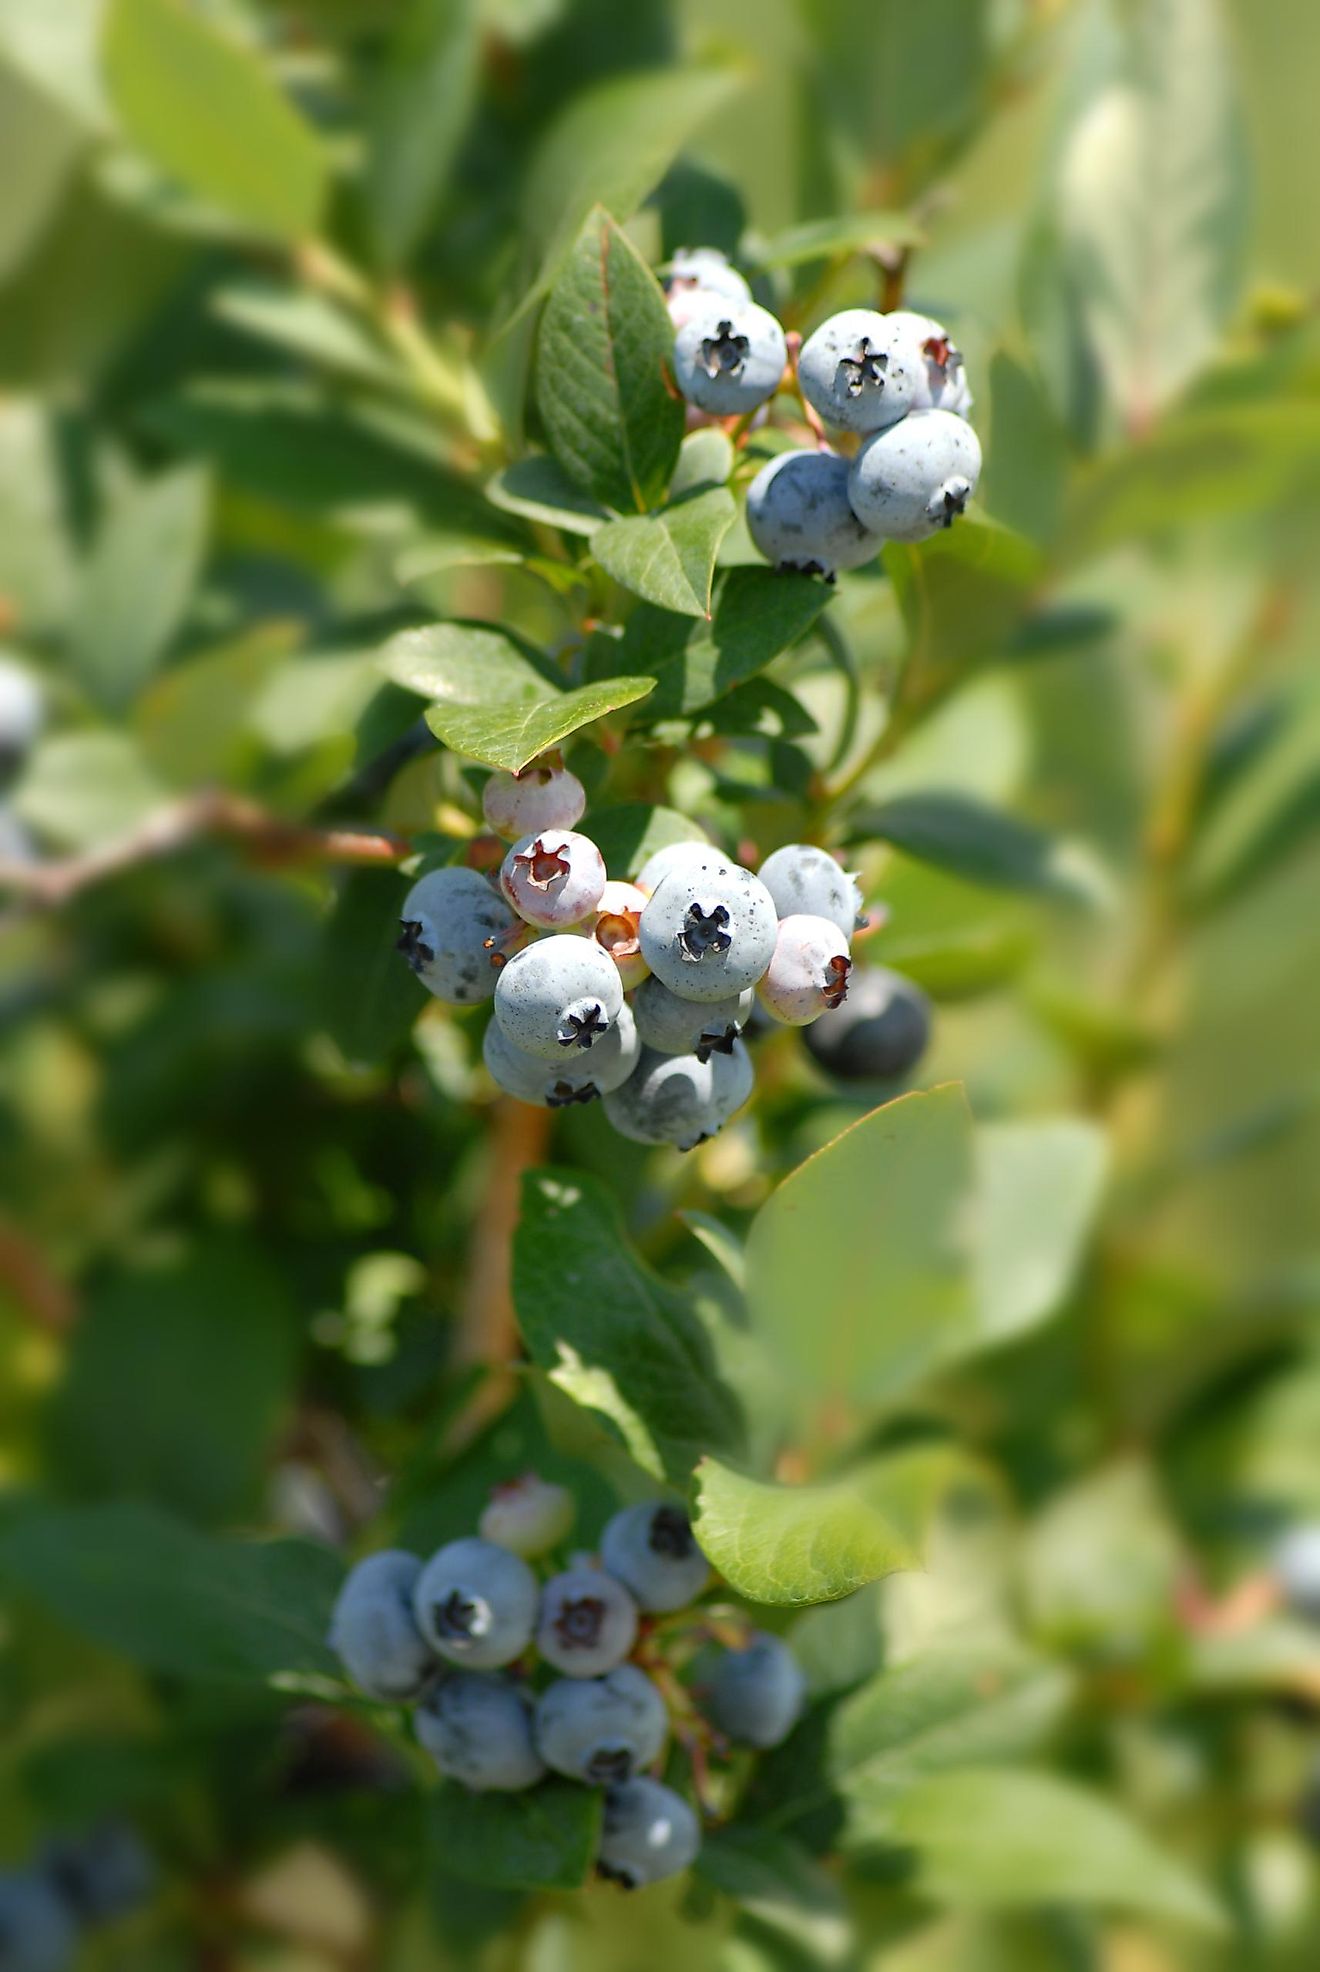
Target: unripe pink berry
(527, 1515)
(554, 878)
(542, 796)
(808, 972)
(618, 916)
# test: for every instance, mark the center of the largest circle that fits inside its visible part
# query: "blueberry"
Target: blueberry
(527, 1515)
(577, 1078)
(540, 797)
(756, 1695)
(617, 930)
(674, 856)
(558, 997)
(708, 929)
(917, 477)
(729, 356)
(601, 1730)
(674, 1026)
(799, 517)
(588, 1623)
(454, 928)
(1297, 1567)
(935, 361)
(801, 877)
(857, 372)
(808, 975)
(554, 878)
(668, 1099)
(649, 1833)
(653, 1551)
(705, 270)
(22, 714)
(732, 1081)
(38, 1931)
(881, 1030)
(477, 1727)
(102, 1873)
(476, 1603)
(374, 1631)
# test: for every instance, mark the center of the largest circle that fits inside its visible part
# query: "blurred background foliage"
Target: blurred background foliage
(269, 278)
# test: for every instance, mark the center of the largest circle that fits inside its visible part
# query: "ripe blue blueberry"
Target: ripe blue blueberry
(729, 356)
(649, 1833)
(857, 373)
(588, 1623)
(732, 1081)
(101, 1873)
(527, 1515)
(558, 997)
(652, 1550)
(674, 1026)
(917, 477)
(454, 926)
(756, 1695)
(674, 856)
(808, 974)
(38, 1931)
(802, 878)
(542, 796)
(477, 1727)
(578, 1077)
(601, 1730)
(1297, 1568)
(708, 929)
(668, 1099)
(935, 360)
(881, 1030)
(476, 1604)
(799, 517)
(374, 1630)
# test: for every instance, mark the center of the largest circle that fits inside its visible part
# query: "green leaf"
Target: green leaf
(139, 583)
(495, 703)
(778, 1884)
(538, 488)
(669, 558)
(611, 144)
(612, 1334)
(370, 997)
(543, 1839)
(84, 788)
(39, 149)
(309, 325)
(419, 111)
(963, 594)
(217, 1330)
(1000, 1836)
(613, 420)
(827, 239)
(193, 721)
(705, 458)
(1038, 1190)
(1153, 205)
(805, 1544)
(1026, 458)
(56, 50)
(758, 614)
(985, 845)
(203, 109)
(137, 1581)
(631, 833)
(1272, 798)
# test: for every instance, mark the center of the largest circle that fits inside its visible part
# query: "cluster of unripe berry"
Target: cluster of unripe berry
(577, 1670)
(77, 1882)
(890, 388)
(637, 992)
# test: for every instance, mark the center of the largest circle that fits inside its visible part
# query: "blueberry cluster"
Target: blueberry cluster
(573, 1666)
(638, 993)
(890, 388)
(77, 1881)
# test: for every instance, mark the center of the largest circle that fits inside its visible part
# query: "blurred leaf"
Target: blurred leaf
(1038, 1190)
(218, 1333)
(613, 1335)
(825, 239)
(493, 703)
(985, 845)
(758, 612)
(1002, 1837)
(83, 788)
(631, 833)
(39, 148)
(420, 109)
(779, 1885)
(538, 488)
(202, 108)
(542, 1839)
(963, 593)
(371, 998)
(668, 558)
(1267, 804)
(804, 1544)
(614, 422)
(56, 50)
(1027, 460)
(903, 82)
(193, 722)
(1152, 196)
(705, 458)
(306, 324)
(139, 582)
(610, 145)
(1101, 1563)
(139, 1582)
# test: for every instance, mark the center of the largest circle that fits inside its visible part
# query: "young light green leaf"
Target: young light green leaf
(614, 421)
(419, 112)
(495, 701)
(87, 787)
(542, 1839)
(612, 1334)
(986, 845)
(203, 109)
(805, 1544)
(1003, 1836)
(1038, 1189)
(705, 458)
(668, 558)
(139, 582)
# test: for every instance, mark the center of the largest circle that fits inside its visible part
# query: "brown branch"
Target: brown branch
(271, 840)
(26, 1276)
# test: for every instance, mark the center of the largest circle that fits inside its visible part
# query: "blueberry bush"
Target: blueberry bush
(659, 765)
